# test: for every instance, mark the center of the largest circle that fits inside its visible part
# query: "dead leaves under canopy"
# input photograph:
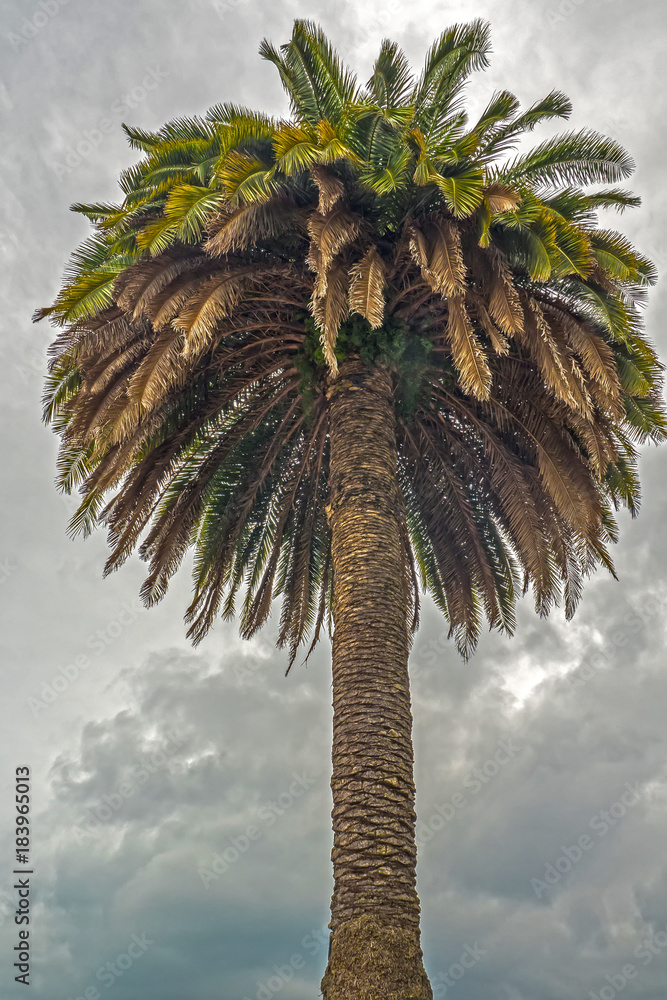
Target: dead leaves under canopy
(367, 288)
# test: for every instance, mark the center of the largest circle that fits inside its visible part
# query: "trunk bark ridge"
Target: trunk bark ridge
(375, 949)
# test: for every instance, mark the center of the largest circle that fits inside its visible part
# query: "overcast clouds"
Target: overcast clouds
(541, 764)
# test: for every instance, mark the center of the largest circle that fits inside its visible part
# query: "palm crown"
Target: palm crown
(204, 320)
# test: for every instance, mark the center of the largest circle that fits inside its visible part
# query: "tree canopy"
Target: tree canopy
(203, 322)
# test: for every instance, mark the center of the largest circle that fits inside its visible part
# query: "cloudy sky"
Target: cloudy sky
(152, 763)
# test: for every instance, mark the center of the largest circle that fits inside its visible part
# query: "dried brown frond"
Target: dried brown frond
(331, 189)
(330, 309)
(501, 198)
(330, 234)
(367, 287)
(214, 301)
(159, 370)
(436, 249)
(503, 298)
(596, 358)
(477, 308)
(469, 357)
(550, 354)
(137, 287)
(244, 227)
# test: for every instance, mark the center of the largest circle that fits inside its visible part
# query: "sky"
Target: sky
(180, 799)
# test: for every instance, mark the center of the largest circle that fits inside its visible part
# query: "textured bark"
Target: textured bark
(375, 950)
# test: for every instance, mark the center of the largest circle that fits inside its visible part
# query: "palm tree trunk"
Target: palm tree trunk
(375, 946)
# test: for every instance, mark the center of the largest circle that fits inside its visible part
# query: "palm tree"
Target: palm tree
(350, 355)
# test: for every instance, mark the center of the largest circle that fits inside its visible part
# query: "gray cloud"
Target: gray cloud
(584, 701)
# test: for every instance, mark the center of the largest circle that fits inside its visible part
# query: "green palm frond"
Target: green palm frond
(392, 82)
(459, 51)
(582, 157)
